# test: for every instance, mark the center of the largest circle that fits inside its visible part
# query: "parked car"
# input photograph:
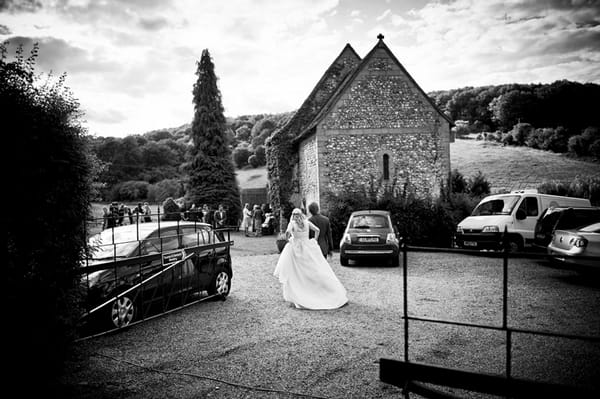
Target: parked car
(369, 234)
(517, 213)
(562, 218)
(567, 246)
(127, 272)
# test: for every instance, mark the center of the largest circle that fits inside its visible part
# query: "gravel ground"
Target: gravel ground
(254, 345)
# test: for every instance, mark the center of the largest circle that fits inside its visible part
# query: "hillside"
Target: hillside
(506, 168)
(514, 168)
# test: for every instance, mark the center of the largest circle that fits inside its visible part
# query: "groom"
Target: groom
(322, 222)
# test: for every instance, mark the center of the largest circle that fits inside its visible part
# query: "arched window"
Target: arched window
(386, 167)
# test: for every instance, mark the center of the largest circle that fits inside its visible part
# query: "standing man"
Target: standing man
(322, 222)
(219, 220)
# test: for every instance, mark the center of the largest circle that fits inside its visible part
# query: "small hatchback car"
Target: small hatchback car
(369, 234)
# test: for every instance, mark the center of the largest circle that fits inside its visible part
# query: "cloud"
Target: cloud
(153, 24)
(4, 30)
(14, 6)
(504, 41)
(60, 56)
(384, 15)
(354, 13)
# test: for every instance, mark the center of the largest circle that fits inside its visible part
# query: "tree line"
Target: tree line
(152, 166)
(561, 116)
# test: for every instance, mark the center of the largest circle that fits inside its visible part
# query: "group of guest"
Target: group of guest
(114, 215)
(253, 219)
(216, 219)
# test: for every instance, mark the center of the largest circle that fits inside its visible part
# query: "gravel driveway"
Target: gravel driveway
(255, 345)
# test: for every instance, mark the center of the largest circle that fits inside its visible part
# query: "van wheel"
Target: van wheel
(343, 261)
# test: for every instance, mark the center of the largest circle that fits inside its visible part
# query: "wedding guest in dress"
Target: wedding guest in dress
(247, 219)
(306, 278)
(147, 212)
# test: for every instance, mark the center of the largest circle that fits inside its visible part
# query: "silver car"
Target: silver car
(568, 246)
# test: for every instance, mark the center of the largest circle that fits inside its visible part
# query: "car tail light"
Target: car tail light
(578, 242)
(346, 238)
(391, 238)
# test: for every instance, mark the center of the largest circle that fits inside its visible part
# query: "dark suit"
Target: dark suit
(325, 240)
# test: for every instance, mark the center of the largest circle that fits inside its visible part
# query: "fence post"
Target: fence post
(505, 251)
(405, 294)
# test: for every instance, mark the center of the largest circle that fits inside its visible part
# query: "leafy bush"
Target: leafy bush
(588, 187)
(478, 185)
(558, 140)
(458, 183)
(253, 161)
(241, 154)
(582, 144)
(521, 132)
(131, 190)
(164, 189)
(171, 210)
(419, 221)
(47, 240)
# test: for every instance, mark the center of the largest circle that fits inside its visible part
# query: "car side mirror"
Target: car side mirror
(521, 214)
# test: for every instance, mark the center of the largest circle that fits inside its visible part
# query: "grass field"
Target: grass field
(515, 168)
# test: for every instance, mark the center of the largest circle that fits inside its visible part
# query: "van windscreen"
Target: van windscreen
(496, 206)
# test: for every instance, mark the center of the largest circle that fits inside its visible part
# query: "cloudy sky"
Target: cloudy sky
(132, 63)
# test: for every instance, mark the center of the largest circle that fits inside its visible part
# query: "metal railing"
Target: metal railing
(411, 375)
(157, 282)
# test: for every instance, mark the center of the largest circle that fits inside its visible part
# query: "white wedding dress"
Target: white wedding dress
(307, 279)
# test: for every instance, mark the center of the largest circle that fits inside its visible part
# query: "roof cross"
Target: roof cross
(380, 36)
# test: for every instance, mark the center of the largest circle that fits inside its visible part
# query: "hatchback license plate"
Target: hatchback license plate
(470, 243)
(368, 239)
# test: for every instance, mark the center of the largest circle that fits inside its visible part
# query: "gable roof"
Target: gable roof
(339, 69)
(345, 83)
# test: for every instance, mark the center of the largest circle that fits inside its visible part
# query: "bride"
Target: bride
(307, 279)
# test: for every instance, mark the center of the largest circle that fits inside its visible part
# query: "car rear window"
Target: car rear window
(369, 221)
(574, 218)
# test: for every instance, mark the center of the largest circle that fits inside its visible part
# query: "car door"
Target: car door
(203, 264)
(157, 243)
(526, 217)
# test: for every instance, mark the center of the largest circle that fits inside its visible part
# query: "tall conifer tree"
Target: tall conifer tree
(211, 171)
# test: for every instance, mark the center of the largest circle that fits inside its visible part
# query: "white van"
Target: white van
(516, 212)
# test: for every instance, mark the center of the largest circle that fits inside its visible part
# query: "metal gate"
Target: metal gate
(414, 376)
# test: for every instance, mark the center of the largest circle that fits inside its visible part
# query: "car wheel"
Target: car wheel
(395, 261)
(122, 311)
(221, 284)
(343, 260)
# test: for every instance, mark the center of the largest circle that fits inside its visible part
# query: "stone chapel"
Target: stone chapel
(366, 122)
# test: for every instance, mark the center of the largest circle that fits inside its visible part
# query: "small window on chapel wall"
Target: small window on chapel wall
(386, 167)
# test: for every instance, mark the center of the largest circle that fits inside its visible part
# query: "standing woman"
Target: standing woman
(247, 219)
(147, 212)
(307, 280)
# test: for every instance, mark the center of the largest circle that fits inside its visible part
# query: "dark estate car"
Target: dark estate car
(369, 233)
(562, 218)
(136, 267)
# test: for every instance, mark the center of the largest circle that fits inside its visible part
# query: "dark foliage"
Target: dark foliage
(46, 238)
(171, 210)
(583, 188)
(422, 222)
(211, 171)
